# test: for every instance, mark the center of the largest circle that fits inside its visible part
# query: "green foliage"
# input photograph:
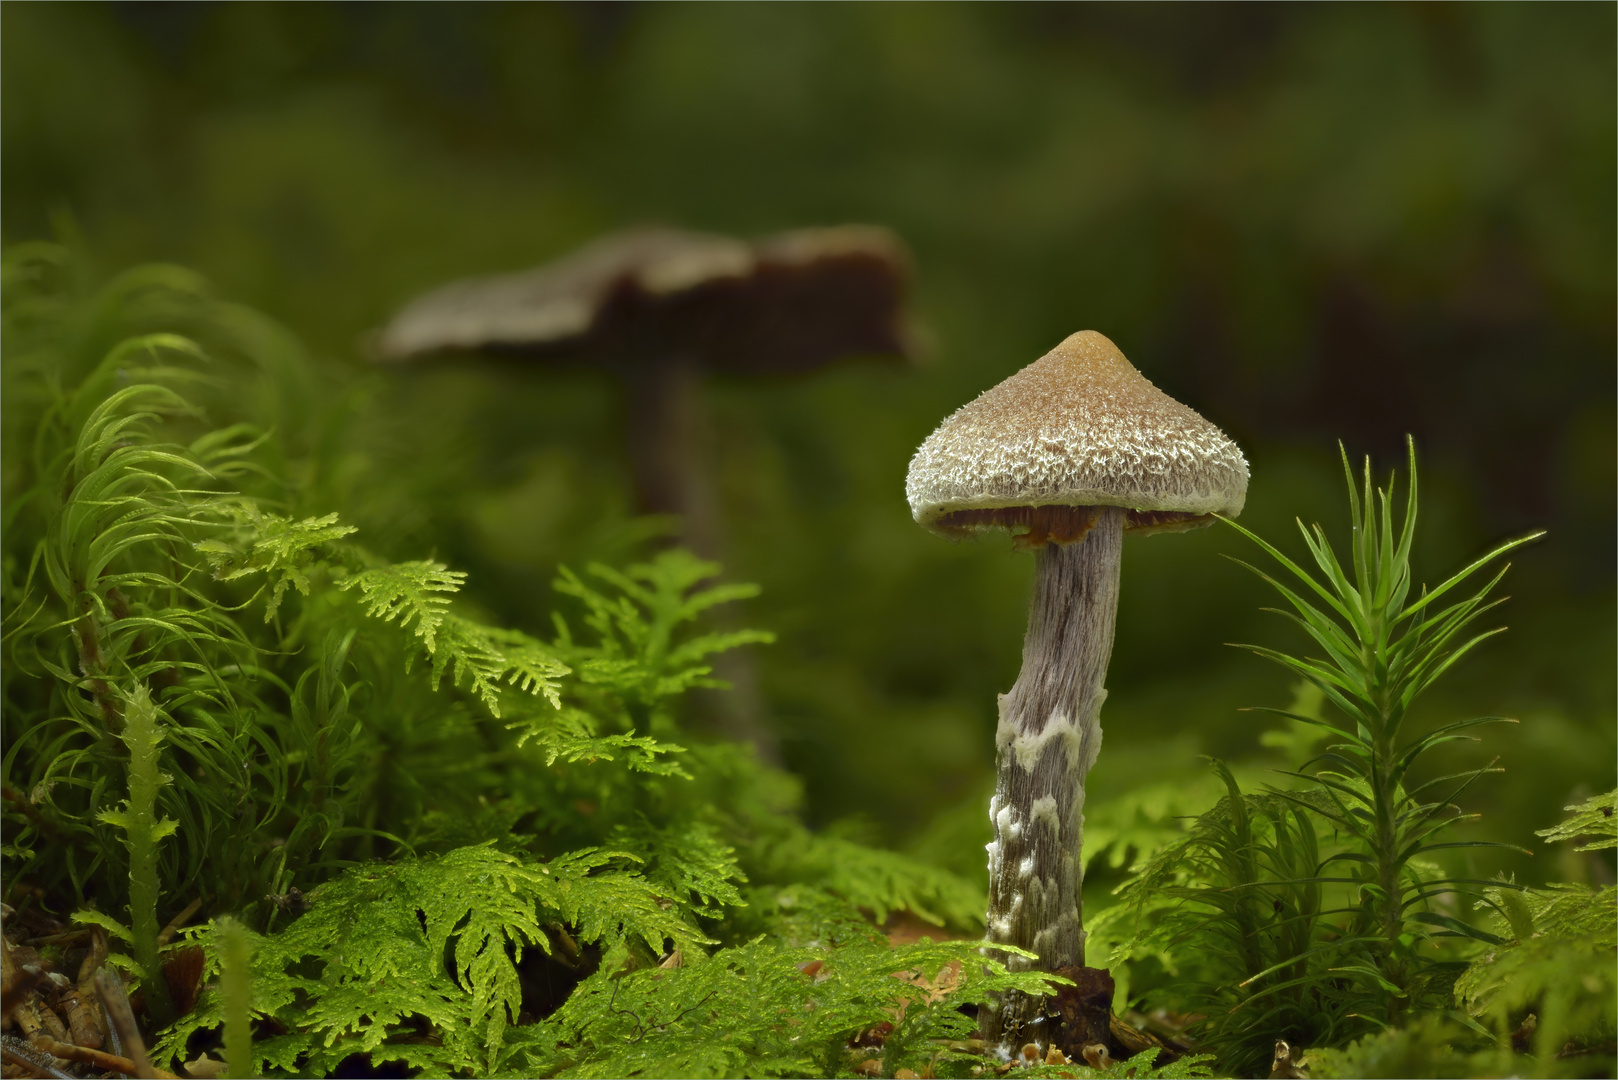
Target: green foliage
(1425, 1048)
(768, 1009)
(123, 482)
(1317, 914)
(236, 996)
(1593, 817)
(879, 882)
(276, 546)
(1546, 988)
(1137, 826)
(439, 939)
(1556, 956)
(1235, 913)
(143, 831)
(1382, 648)
(388, 845)
(690, 860)
(412, 592)
(636, 654)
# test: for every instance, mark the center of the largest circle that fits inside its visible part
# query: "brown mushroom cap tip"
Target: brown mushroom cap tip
(1080, 427)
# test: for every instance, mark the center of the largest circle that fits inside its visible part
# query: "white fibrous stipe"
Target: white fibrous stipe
(1026, 867)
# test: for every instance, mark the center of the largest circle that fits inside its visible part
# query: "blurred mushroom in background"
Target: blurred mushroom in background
(660, 309)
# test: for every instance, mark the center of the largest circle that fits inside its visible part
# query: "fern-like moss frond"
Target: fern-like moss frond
(1596, 816)
(879, 882)
(411, 592)
(764, 1009)
(276, 546)
(638, 653)
(434, 939)
(485, 656)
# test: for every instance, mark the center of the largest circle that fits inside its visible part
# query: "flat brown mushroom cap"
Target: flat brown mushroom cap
(789, 303)
(1078, 427)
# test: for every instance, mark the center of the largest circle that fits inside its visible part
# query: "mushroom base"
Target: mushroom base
(1048, 738)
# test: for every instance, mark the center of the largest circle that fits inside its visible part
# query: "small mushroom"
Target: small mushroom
(660, 309)
(1068, 454)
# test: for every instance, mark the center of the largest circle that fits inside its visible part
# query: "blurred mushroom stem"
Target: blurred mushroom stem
(1048, 737)
(667, 457)
(671, 463)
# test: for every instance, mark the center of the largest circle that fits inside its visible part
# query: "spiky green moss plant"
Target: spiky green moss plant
(236, 997)
(1546, 990)
(1288, 944)
(143, 830)
(1234, 911)
(1383, 646)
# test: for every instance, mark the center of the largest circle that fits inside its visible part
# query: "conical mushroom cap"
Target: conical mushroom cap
(1077, 427)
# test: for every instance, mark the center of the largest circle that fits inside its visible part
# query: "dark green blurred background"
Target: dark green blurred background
(1310, 223)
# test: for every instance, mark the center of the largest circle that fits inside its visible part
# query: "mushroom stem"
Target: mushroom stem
(666, 453)
(1048, 738)
(670, 460)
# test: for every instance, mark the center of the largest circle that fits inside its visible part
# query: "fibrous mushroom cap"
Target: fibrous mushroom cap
(1078, 427)
(789, 302)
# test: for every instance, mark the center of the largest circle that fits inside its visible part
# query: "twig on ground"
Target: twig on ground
(111, 989)
(20, 1053)
(100, 1059)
